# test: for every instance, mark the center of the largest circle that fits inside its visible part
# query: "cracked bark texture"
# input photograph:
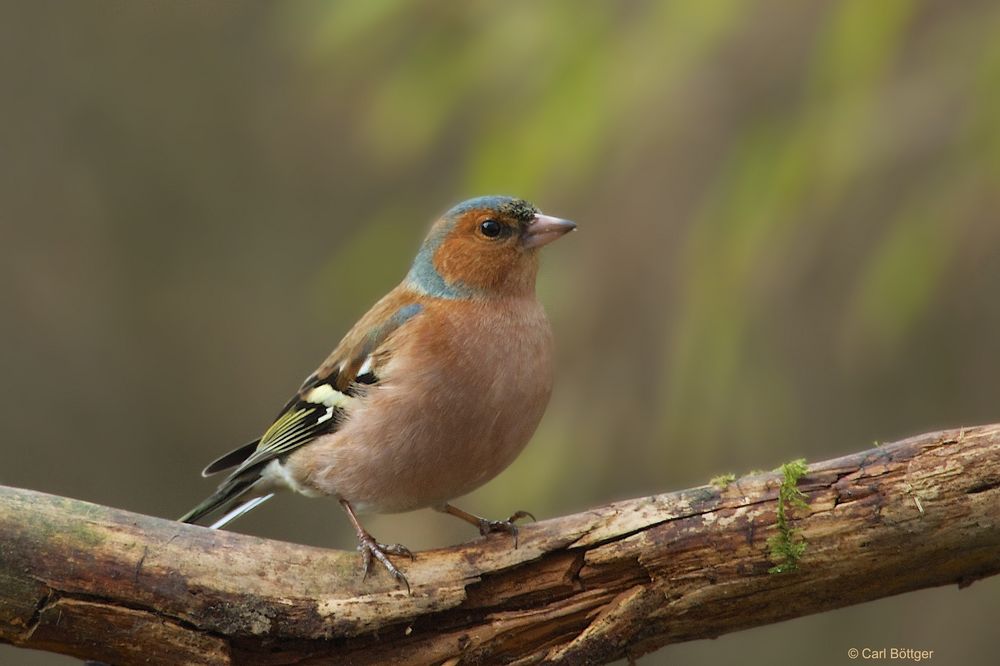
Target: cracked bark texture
(617, 581)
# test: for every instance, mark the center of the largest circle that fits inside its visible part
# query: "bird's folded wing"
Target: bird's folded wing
(326, 397)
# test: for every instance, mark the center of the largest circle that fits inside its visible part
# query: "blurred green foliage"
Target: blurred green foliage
(788, 241)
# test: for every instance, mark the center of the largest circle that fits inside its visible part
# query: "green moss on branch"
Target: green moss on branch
(787, 546)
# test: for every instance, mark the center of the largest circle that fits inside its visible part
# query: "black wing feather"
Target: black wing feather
(231, 459)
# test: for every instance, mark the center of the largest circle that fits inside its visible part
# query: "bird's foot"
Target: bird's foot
(371, 549)
(508, 526)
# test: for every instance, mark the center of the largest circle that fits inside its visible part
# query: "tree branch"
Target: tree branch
(620, 580)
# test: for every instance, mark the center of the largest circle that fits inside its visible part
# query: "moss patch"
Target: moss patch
(787, 546)
(723, 480)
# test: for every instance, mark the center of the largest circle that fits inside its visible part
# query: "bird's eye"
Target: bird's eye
(490, 228)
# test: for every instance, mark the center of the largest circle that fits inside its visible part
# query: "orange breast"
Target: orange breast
(460, 396)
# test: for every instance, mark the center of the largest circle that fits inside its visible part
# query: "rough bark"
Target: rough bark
(619, 580)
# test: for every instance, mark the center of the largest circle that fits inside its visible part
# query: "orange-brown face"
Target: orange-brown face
(485, 246)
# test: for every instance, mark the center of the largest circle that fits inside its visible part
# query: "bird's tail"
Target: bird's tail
(237, 493)
(239, 509)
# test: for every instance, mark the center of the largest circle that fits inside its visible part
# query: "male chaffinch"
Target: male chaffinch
(430, 395)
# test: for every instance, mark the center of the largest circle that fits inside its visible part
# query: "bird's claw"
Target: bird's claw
(509, 526)
(370, 548)
(397, 549)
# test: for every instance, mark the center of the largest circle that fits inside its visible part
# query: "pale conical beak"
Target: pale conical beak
(544, 229)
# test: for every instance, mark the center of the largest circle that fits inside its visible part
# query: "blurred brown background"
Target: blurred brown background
(788, 244)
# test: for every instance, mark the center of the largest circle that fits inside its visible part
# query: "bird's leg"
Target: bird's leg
(369, 547)
(485, 525)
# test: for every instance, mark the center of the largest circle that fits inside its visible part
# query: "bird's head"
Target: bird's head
(485, 246)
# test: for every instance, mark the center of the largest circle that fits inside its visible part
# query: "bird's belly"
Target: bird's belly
(425, 441)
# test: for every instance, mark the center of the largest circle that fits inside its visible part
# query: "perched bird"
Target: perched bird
(430, 395)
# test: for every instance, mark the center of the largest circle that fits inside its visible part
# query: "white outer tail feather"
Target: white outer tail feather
(235, 513)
